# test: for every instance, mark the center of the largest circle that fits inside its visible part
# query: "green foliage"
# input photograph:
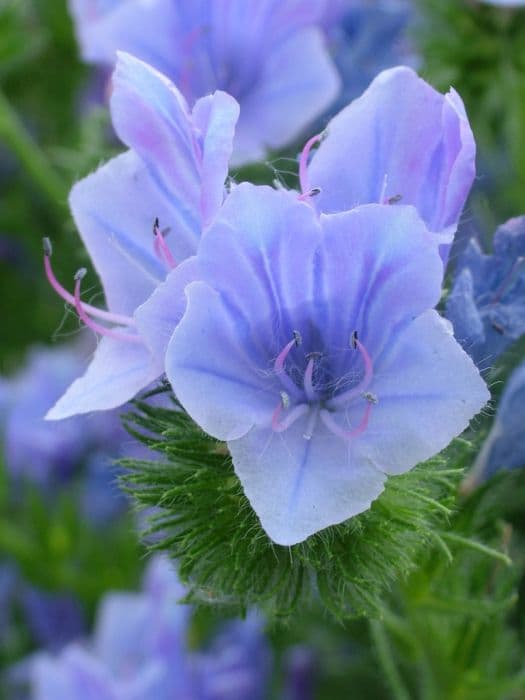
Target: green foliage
(206, 522)
(480, 50)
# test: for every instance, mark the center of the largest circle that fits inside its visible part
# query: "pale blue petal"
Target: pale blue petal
(299, 486)
(118, 370)
(427, 389)
(403, 133)
(220, 384)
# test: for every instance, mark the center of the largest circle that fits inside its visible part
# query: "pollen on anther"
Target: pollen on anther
(48, 247)
(80, 274)
(297, 337)
(285, 399)
(370, 397)
(353, 339)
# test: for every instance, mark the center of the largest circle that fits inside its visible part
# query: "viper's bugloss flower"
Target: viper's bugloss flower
(487, 301)
(401, 141)
(365, 38)
(139, 651)
(269, 54)
(139, 215)
(310, 345)
(504, 447)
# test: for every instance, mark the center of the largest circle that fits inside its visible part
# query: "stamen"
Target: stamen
(342, 399)
(278, 365)
(370, 397)
(278, 425)
(395, 199)
(120, 319)
(312, 422)
(161, 247)
(102, 330)
(306, 188)
(309, 390)
(313, 192)
(335, 428)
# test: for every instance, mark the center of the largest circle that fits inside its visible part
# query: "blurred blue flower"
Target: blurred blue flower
(268, 54)
(366, 37)
(139, 651)
(54, 619)
(487, 302)
(504, 447)
(309, 344)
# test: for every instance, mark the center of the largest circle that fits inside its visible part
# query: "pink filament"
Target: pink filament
(303, 165)
(335, 428)
(102, 330)
(70, 299)
(278, 425)
(279, 370)
(342, 399)
(309, 390)
(161, 247)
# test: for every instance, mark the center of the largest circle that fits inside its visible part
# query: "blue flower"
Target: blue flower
(310, 345)
(504, 447)
(268, 54)
(487, 302)
(139, 651)
(139, 215)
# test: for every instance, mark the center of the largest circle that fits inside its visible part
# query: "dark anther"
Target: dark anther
(354, 339)
(395, 199)
(314, 191)
(156, 226)
(298, 338)
(314, 355)
(80, 274)
(497, 327)
(48, 248)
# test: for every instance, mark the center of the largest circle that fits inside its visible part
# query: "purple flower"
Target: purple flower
(268, 54)
(504, 447)
(310, 345)
(174, 174)
(139, 651)
(487, 301)
(400, 142)
(54, 619)
(364, 38)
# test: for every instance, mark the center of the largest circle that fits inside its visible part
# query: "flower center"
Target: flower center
(313, 393)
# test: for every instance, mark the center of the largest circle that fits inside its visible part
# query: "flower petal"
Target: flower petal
(404, 134)
(188, 161)
(117, 372)
(114, 209)
(220, 385)
(298, 486)
(427, 388)
(297, 84)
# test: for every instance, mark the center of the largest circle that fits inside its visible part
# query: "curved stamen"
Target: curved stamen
(119, 319)
(278, 425)
(312, 422)
(102, 330)
(306, 189)
(342, 399)
(309, 390)
(335, 428)
(161, 247)
(278, 365)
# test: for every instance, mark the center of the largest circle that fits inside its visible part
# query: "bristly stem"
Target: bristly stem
(16, 137)
(386, 660)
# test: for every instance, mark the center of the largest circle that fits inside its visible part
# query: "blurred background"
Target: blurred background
(69, 536)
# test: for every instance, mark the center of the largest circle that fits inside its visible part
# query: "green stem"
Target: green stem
(34, 161)
(386, 660)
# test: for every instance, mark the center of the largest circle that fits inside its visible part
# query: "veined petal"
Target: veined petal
(117, 372)
(188, 160)
(114, 210)
(427, 388)
(218, 382)
(298, 486)
(401, 138)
